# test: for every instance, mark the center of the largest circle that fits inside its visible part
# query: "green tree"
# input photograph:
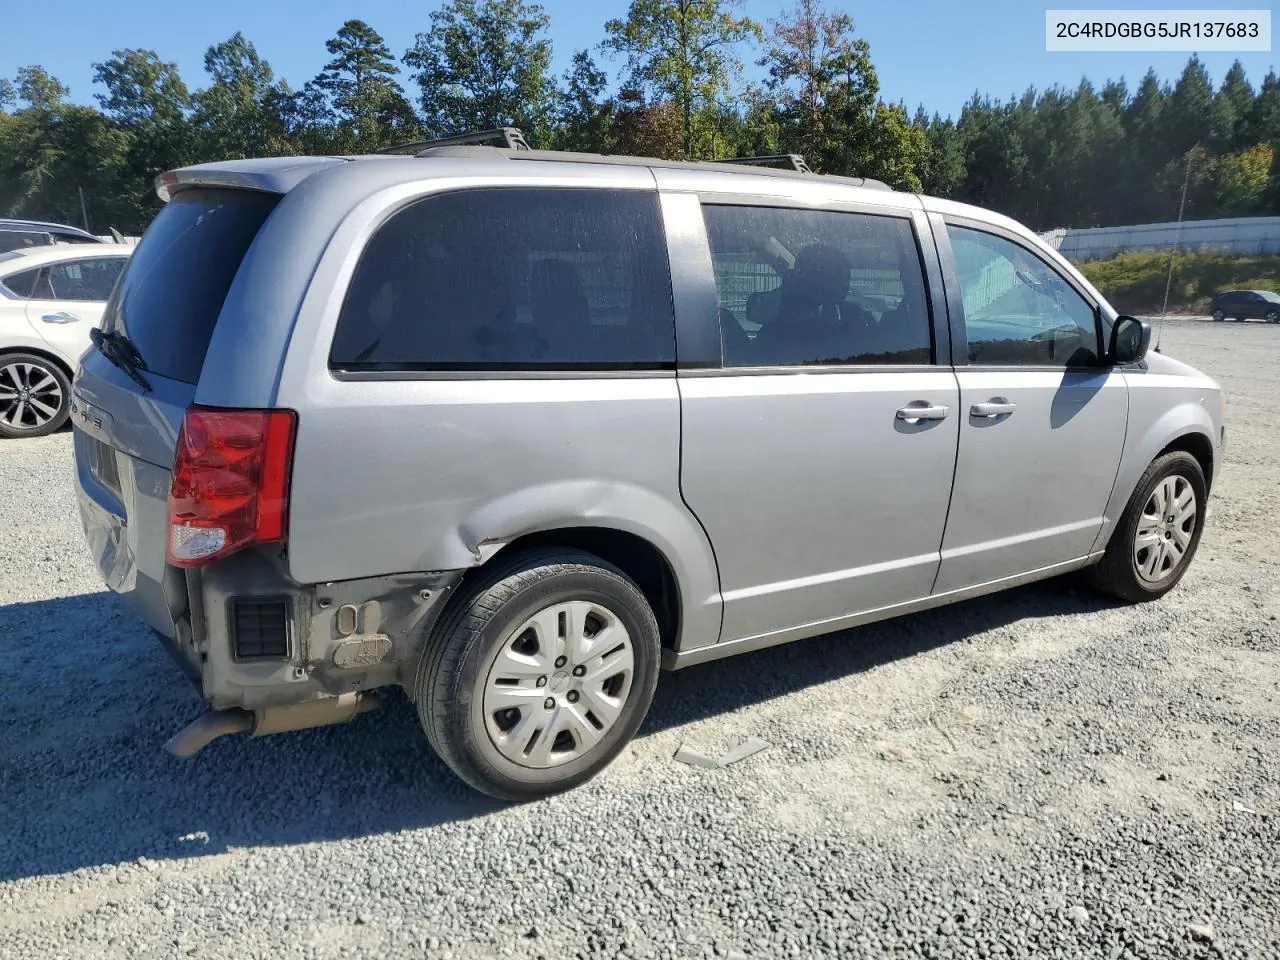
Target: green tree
(585, 114)
(1241, 180)
(683, 51)
(895, 149)
(643, 129)
(39, 90)
(1079, 139)
(485, 64)
(1264, 118)
(1143, 115)
(1265, 124)
(941, 169)
(1115, 94)
(825, 84)
(368, 105)
(310, 125)
(240, 113)
(142, 89)
(995, 160)
(1233, 111)
(761, 125)
(147, 102)
(1188, 117)
(828, 100)
(51, 150)
(1138, 171)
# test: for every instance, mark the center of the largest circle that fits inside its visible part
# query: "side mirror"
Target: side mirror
(1130, 338)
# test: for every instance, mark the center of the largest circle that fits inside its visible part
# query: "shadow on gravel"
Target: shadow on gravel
(724, 685)
(87, 698)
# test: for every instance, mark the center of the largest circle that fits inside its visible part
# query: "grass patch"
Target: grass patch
(1134, 282)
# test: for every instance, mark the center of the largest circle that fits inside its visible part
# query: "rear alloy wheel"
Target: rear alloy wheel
(34, 395)
(539, 674)
(1219, 316)
(1157, 536)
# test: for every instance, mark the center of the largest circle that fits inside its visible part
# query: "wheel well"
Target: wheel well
(636, 557)
(43, 355)
(1200, 447)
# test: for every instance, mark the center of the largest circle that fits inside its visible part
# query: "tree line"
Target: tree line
(1058, 157)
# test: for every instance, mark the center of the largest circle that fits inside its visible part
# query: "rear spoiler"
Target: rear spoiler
(273, 175)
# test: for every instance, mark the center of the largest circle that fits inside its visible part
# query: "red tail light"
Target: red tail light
(230, 482)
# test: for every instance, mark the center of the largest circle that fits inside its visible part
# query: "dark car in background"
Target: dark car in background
(1246, 305)
(21, 234)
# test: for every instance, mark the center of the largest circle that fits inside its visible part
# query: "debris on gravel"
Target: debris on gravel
(1039, 773)
(1201, 931)
(697, 758)
(1078, 914)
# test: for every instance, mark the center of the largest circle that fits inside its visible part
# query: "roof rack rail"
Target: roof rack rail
(780, 161)
(510, 138)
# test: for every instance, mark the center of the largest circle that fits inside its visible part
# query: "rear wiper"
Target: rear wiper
(122, 352)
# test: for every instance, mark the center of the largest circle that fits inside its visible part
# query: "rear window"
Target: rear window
(22, 284)
(512, 279)
(22, 239)
(168, 300)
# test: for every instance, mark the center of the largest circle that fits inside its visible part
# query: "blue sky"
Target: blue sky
(935, 52)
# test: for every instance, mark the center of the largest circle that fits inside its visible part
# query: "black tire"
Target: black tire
(26, 421)
(1117, 573)
(454, 667)
(1273, 316)
(1219, 316)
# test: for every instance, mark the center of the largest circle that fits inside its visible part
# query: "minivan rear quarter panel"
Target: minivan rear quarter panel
(433, 471)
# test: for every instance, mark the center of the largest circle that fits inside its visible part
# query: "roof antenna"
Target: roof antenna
(1173, 253)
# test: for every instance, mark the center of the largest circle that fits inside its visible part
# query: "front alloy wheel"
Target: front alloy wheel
(1157, 535)
(1165, 530)
(1273, 316)
(1219, 316)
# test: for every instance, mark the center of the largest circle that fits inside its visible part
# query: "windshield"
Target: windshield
(168, 300)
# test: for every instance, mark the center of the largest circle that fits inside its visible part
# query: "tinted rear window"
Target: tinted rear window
(23, 284)
(811, 287)
(170, 295)
(512, 279)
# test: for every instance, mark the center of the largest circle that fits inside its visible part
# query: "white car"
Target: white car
(50, 298)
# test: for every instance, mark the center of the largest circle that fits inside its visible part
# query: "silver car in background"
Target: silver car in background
(513, 429)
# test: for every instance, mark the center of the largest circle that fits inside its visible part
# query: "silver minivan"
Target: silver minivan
(512, 430)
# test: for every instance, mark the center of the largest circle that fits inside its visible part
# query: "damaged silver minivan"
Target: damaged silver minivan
(514, 429)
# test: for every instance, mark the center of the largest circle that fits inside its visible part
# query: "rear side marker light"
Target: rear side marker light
(230, 482)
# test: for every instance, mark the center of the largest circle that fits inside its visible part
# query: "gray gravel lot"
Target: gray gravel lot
(1040, 773)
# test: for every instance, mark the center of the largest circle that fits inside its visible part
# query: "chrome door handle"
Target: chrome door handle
(995, 407)
(60, 318)
(919, 410)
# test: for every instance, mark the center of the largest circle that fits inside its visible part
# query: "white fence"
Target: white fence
(1243, 236)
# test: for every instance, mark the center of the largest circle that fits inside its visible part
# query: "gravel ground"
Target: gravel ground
(1040, 773)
